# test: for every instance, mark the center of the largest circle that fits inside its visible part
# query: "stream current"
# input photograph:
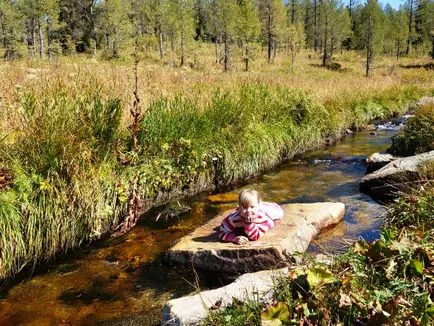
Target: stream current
(121, 281)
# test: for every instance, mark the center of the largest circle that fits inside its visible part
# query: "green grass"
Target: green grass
(417, 135)
(72, 160)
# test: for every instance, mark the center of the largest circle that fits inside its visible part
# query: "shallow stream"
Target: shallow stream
(122, 281)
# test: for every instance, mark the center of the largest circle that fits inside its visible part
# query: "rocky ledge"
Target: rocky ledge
(387, 181)
(302, 222)
(190, 310)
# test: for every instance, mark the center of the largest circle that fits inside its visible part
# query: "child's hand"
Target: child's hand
(250, 219)
(241, 240)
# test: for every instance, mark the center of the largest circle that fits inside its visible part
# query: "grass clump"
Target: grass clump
(238, 313)
(417, 136)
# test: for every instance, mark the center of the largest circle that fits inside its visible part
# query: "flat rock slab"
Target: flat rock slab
(203, 250)
(385, 182)
(191, 310)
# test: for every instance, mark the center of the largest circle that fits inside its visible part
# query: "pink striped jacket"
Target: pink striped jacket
(233, 225)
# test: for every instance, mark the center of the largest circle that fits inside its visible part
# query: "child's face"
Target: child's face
(249, 210)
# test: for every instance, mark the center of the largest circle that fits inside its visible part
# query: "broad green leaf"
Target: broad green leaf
(416, 267)
(279, 311)
(319, 275)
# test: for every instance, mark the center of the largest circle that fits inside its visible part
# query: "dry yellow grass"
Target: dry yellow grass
(77, 75)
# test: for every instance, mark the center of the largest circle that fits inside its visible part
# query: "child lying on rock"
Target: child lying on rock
(250, 220)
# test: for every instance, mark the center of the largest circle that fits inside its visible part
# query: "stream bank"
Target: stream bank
(122, 280)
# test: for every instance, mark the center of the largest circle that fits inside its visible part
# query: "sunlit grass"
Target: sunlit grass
(65, 138)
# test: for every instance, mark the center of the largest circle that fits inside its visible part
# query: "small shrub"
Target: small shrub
(417, 135)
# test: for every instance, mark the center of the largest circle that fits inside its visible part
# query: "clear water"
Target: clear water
(123, 282)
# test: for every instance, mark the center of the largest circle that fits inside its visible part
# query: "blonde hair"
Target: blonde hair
(247, 196)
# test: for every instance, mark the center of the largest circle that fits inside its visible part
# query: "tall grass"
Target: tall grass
(71, 158)
(417, 135)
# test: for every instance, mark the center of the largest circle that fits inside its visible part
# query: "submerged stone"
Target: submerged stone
(203, 250)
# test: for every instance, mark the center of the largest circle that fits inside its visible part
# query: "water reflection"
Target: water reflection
(122, 281)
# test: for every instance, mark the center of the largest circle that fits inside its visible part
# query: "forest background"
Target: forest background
(48, 28)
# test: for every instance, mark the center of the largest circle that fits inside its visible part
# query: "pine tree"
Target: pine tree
(370, 31)
(334, 26)
(272, 15)
(181, 24)
(39, 14)
(156, 13)
(223, 17)
(397, 33)
(116, 25)
(411, 8)
(10, 28)
(248, 27)
(424, 25)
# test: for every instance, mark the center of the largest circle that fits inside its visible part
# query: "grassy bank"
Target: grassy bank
(385, 282)
(68, 169)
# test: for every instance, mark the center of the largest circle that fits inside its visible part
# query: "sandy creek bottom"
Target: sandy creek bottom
(123, 282)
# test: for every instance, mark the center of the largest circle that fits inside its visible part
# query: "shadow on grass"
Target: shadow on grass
(427, 66)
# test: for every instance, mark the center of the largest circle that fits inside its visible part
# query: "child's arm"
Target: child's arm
(273, 210)
(227, 228)
(256, 229)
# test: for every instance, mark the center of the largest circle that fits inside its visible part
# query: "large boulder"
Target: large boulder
(203, 250)
(190, 310)
(386, 182)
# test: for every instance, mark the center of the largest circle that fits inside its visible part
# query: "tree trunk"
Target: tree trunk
(332, 47)
(269, 38)
(227, 59)
(274, 49)
(182, 44)
(31, 44)
(369, 48)
(3, 26)
(94, 44)
(324, 57)
(410, 23)
(172, 41)
(315, 25)
(160, 42)
(246, 59)
(115, 52)
(292, 11)
(216, 50)
(432, 49)
(41, 39)
(92, 22)
(398, 48)
(49, 39)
